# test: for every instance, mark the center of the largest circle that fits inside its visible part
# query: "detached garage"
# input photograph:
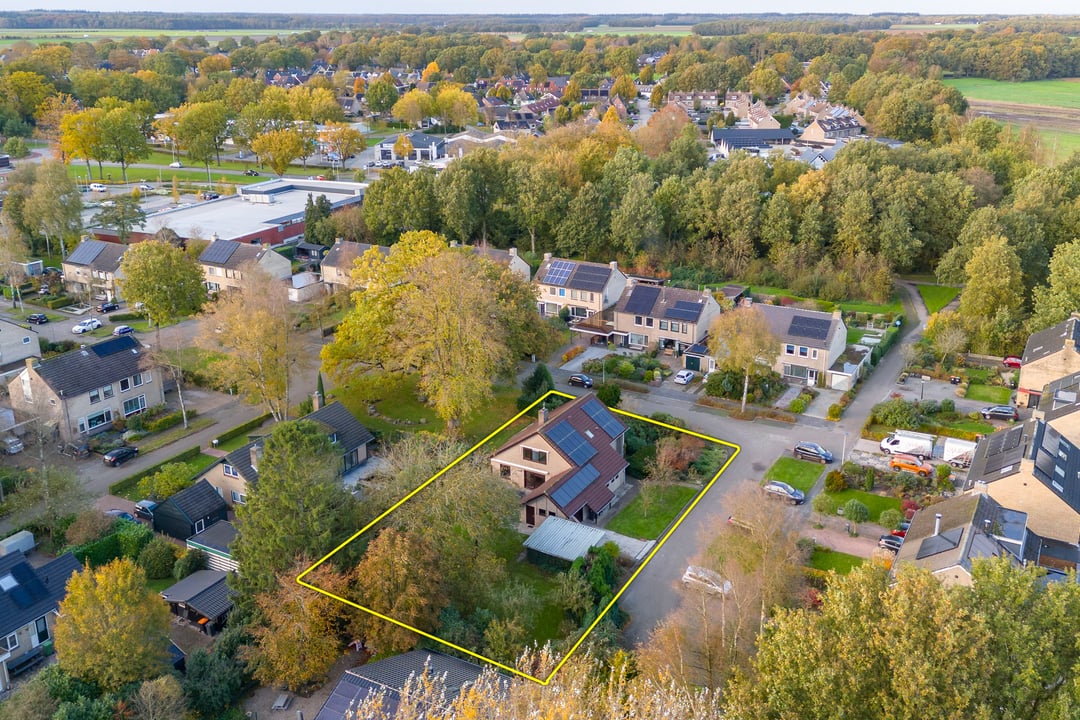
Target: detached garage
(560, 542)
(190, 511)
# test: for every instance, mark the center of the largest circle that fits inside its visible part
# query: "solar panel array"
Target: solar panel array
(30, 589)
(559, 272)
(115, 345)
(642, 299)
(575, 485)
(603, 417)
(684, 310)
(591, 278)
(85, 252)
(570, 442)
(218, 252)
(809, 327)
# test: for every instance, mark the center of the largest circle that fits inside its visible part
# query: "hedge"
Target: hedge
(122, 486)
(243, 428)
(58, 302)
(124, 317)
(100, 551)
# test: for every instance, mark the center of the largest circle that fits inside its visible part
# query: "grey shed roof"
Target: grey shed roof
(1055, 338)
(350, 434)
(198, 501)
(93, 366)
(27, 593)
(204, 591)
(217, 538)
(564, 539)
(97, 255)
(389, 676)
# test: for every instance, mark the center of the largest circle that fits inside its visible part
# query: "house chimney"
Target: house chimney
(986, 526)
(512, 251)
(316, 401)
(542, 417)
(547, 256)
(30, 363)
(837, 315)
(614, 264)
(937, 524)
(256, 454)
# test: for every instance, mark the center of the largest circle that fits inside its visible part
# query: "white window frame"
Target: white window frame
(140, 402)
(11, 642)
(125, 384)
(229, 471)
(238, 498)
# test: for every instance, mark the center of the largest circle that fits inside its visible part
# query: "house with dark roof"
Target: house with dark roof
(29, 603)
(223, 264)
(216, 541)
(945, 538)
(668, 318)
(827, 129)
(190, 511)
(1049, 355)
(338, 263)
(202, 600)
(231, 475)
(92, 269)
(587, 289)
(812, 345)
(729, 139)
(83, 391)
(17, 343)
(424, 147)
(567, 464)
(387, 678)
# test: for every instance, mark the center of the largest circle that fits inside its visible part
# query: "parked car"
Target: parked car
(783, 491)
(683, 377)
(10, 445)
(122, 514)
(145, 509)
(37, 318)
(890, 543)
(144, 187)
(86, 326)
(207, 195)
(911, 464)
(580, 380)
(999, 412)
(123, 330)
(251, 173)
(120, 455)
(176, 164)
(55, 271)
(705, 579)
(812, 451)
(98, 187)
(108, 307)
(1011, 361)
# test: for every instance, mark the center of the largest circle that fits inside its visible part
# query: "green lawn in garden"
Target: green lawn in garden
(990, 394)
(876, 504)
(157, 586)
(937, 296)
(1054, 93)
(668, 502)
(799, 474)
(968, 425)
(541, 582)
(851, 306)
(826, 559)
(892, 306)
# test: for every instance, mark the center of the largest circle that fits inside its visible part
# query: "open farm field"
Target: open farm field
(1064, 93)
(931, 27)
(53, 35)
(676, 30)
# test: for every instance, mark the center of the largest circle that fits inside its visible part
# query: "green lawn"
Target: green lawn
(875, 503)
(991, 394)
(161, 584)
(799, 474)
(668, 502)
(541, 582)
(893, 306)
(937, 296)
(968, 425)
(826, 559)
(1055, 93)
(240, 440)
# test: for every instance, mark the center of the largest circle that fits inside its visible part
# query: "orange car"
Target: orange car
(911, 464)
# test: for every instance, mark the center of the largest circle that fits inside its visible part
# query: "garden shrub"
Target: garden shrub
(948, 406)
(897, 413)
(929, 407)
(835, 411)
(194, 559)
(890, 519)
(835, 482)
(133, 537)
(593, 366)
(89, 525)
(536, 386)
(98, 552)
(868, 481)
(157, 559)
(625, 369)
(797, 405)
(824, 503)
(610, 394)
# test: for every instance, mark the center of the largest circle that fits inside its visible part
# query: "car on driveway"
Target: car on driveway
(683, 377)
(706, 580)
(999, 412)
(86, 326)
(108, 307)
(122, 514)
(1012, 361)
(145, 509)
(579, 380)
(176, 164)
(911, 464)
(123, 330)
(120, 455)
(783, 491)
(812, 451)
(890, 543)
(37, 318)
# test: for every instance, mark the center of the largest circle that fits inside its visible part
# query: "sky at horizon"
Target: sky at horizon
(924, 7)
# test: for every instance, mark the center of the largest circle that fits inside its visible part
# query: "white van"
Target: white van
(706, 580)
(921, 445)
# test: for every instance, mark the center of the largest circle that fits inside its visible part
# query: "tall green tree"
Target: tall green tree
(994, 286)
(381, 95)
(635, 223)
(201, 129)
(278, 148)
(741, 340)
(123, 214)
(112, 629)
(122, 138)
(1060, 297)
(470, 191)
(54, 206)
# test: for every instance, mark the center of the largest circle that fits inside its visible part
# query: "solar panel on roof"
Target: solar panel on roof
(642, 299)
(591, 278)
(603, 417)
(575, 485)
(571, 442)
(684, 310)
(809, 327)
(86, 251)
(218, 252)
(558, 272)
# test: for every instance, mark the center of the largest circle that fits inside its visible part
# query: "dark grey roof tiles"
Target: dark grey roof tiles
(94, 366)
(27, 593)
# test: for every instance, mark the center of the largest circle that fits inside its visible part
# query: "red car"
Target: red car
(1012, 362)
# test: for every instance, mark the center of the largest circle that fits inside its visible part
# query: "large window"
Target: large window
(229, 471)
(533, 455)
(95, 421)
(125, 384)
(134, 405)
(238, 498)
(10, 642)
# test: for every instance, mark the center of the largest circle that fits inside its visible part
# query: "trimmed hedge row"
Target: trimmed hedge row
(127, 540)
(56, 302)
(243, 428)
(122, 486)
(124, 317)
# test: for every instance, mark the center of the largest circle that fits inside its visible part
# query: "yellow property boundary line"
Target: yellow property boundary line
(600, 616)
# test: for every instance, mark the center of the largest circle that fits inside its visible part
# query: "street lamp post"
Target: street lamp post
(843, 454)
(922, 387)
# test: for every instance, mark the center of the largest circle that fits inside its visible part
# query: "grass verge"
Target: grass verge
(799, 474)
(825, 559)
(876, 504)
(936, 297)
(992, 394)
